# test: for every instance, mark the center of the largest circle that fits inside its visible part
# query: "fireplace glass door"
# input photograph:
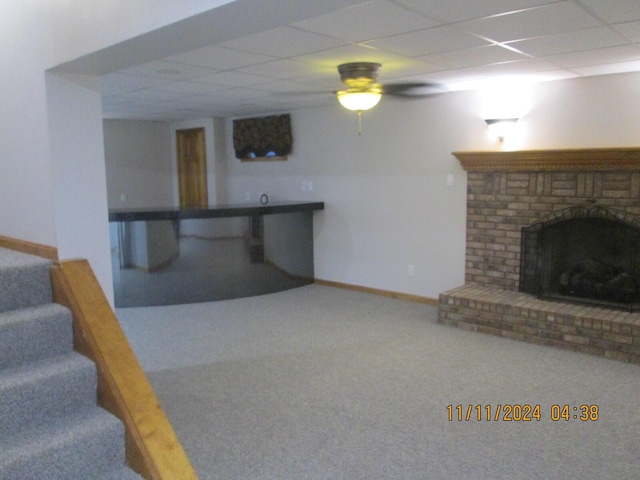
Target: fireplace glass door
(587, 256)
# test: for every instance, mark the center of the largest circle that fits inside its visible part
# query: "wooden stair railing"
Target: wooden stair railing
(152, 447)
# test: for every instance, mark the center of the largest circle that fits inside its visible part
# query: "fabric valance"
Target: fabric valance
(262, 137)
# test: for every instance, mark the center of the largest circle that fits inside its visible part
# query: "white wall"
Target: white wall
(25, 179)
(77, 157)
(139, 165)
(219, 158)
(597, 111)
(387, 203)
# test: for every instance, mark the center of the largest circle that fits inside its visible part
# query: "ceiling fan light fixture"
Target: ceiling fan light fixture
(359, 74)
(359, 101)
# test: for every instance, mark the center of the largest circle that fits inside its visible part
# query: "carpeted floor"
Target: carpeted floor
(322, 383)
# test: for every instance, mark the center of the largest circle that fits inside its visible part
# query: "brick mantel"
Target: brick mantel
(584, 159)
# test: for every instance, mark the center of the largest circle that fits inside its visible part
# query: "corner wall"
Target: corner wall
(77, 158)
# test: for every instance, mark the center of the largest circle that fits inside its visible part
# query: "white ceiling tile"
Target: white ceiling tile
(293, 87)
(117, 103)
(368, 21)
(185, 87)
(237, 93)
(459, 43)
(574, 41)
(631, 30)
(535, 22)
(330, 59)
(474, 56)
(609, 68)
(154, 95)
(614, 11)
(167, 71)
(219, 58)
(283, 42)
(428, 41)
(627, 53)
(457, 79)
(116, 83)
(284, 69)
(521, 68)
(404, 67)
(233, 79)
(451, 11)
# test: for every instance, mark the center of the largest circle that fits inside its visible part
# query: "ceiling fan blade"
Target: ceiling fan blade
(413, 89)
(304, 93)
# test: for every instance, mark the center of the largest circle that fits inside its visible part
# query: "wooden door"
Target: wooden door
(192, 168)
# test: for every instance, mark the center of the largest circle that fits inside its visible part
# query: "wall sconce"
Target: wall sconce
(501, 127)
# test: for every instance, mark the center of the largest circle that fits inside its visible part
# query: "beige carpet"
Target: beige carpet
(322, 383)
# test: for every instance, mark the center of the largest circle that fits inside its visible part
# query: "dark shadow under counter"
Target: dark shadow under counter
(173, 256)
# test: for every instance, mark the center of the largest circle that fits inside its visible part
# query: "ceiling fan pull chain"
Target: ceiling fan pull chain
(359, 122)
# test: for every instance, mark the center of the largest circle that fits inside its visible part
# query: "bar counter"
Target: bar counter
(214, 211)
(166, 256)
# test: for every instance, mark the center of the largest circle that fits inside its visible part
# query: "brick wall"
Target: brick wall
(499, 204)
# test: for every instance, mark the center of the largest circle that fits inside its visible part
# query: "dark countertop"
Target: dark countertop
(213, 211)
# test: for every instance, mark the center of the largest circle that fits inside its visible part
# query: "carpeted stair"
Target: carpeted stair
(50, 424)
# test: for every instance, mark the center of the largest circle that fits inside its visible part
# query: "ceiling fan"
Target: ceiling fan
(364, 92)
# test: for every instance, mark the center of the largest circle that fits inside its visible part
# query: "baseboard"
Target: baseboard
(31, 248)
(376, 291)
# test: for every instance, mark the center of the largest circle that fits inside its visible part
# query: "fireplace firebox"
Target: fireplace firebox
(583, 254)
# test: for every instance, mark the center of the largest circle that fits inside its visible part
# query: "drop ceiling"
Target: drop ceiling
(460, 44)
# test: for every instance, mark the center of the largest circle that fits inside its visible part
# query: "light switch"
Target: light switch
(449, 180)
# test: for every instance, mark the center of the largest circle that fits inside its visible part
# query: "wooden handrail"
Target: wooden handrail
(44, 251)
(152, 448)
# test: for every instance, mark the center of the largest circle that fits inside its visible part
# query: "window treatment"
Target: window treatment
(262, 137)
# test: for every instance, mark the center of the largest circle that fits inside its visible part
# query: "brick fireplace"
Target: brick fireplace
(511, 190)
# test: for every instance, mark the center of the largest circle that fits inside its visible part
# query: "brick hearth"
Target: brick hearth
(519, 316)
(511, 190)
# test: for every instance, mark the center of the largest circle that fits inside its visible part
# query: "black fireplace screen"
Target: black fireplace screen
(583, 254)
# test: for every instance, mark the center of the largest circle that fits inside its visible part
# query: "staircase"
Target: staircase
(50, 424)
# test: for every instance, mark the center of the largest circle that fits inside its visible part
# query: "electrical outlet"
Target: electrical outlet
(310, 186)
(247, 197)
(303, 186)
(411, 271)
